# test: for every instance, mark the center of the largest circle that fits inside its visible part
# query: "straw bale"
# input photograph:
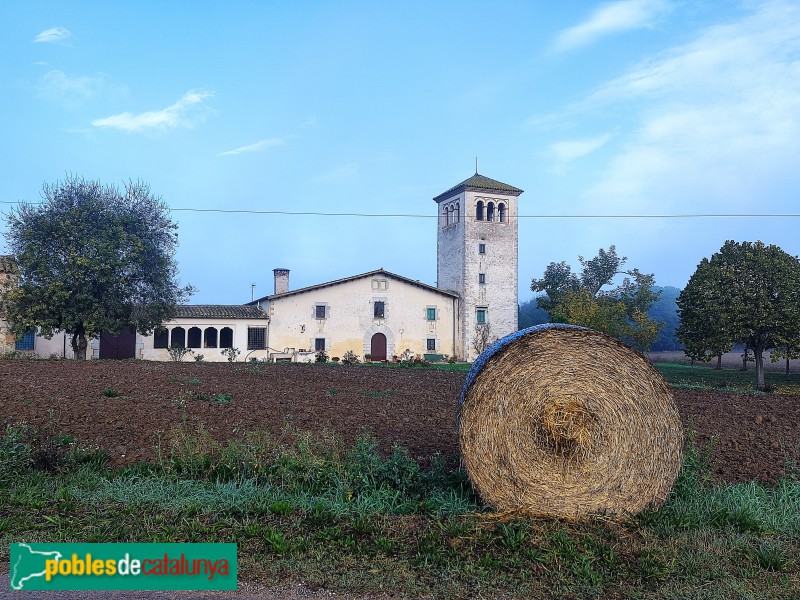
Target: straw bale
(564, 421)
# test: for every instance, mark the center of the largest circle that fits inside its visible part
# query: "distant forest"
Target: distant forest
(665, 310)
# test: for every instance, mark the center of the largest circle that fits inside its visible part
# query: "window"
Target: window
(27, 341)
(319, 344)
(490, 211)
(256, 338)
(480, 316)
(210, 337)
(502, 210)
(178, 337)
(481, 277)
(161, 338)
(430, 313)
(481, 248)
(320, 311)
(226, 337)
(379, 309)
(431, 345)
(193, 338)
(479, 211)
(457, 213)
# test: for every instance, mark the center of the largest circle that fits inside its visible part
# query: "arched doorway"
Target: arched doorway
(378, 347)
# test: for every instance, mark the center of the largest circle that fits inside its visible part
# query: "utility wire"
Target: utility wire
(413, 216)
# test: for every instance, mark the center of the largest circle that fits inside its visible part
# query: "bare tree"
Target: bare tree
(483, 337)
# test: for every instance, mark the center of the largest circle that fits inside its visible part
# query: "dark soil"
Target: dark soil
(753, 436)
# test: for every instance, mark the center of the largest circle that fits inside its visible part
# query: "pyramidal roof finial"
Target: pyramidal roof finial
(476, 165)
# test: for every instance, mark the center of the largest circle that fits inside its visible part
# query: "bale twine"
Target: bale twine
(564, 421)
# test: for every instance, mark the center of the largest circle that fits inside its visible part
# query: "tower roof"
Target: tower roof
(478, 183)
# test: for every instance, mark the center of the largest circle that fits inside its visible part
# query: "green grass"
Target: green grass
(703, 377)
(308, 508)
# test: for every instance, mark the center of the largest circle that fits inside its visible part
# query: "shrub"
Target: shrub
(199, 358)
(350, 358)
(110, 393)
(177, 353)
(231, 353)
(321, 357)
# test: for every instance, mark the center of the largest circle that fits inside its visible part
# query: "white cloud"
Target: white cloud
(57, 86)
(715, 124)
(184, 113)
(612, 18)
(257, 147)
(340, 174)
(54, 34)
(568, 151)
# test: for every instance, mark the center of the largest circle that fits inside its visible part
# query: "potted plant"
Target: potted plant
(368, 358)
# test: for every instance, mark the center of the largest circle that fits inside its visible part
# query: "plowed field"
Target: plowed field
(753, 436)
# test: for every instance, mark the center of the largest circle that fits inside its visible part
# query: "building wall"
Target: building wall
(146, 344)
(459, 264)
(350, 321)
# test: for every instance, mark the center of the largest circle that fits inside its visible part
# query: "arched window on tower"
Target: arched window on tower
(490, 211)
(479, 211)
(450, 215)
(457, 213)
(501, 208)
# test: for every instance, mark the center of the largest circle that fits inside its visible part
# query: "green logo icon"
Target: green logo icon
(123, 566)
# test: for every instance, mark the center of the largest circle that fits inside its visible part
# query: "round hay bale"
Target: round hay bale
(564, 421)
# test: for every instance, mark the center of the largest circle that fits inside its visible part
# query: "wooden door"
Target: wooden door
(119, 346)
(378, 347)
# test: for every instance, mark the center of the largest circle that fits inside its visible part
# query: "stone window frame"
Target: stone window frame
(325, 311)
(325, 344)
(481, 315)
(428, 310)
(428, 344)
(481, 278)
(482, 248)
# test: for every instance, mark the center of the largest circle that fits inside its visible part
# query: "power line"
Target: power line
(413, 216)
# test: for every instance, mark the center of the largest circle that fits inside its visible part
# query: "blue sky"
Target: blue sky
(635, 107)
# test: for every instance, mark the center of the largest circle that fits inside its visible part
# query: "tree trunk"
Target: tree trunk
(79, 343)
(719, 362)
(744, 359)
(787, 366)
(757, 354)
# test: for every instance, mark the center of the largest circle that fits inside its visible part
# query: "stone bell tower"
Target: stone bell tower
(477, 257)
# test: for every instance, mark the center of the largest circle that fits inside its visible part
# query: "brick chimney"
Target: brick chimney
(281, 280)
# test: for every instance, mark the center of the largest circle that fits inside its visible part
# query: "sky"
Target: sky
(600, 111)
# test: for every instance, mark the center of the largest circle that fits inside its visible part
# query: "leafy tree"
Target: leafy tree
(748, 293)
(581, 300)
(92, 259)
(704, 329)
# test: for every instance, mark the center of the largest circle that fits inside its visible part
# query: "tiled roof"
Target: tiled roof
(219, 311)
(379, 272)
(480, 183)
(7, 264)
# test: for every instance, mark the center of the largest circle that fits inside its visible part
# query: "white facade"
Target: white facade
(379, 314)
(210, 331)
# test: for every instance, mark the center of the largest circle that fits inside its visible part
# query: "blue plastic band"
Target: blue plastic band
(481, 361)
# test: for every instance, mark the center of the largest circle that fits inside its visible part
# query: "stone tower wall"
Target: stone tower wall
(460, 263)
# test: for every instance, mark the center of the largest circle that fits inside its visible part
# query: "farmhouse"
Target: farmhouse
(378, 313)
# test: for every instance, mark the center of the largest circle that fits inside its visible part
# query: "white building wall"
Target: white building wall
(146, 344)
(349, 322)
